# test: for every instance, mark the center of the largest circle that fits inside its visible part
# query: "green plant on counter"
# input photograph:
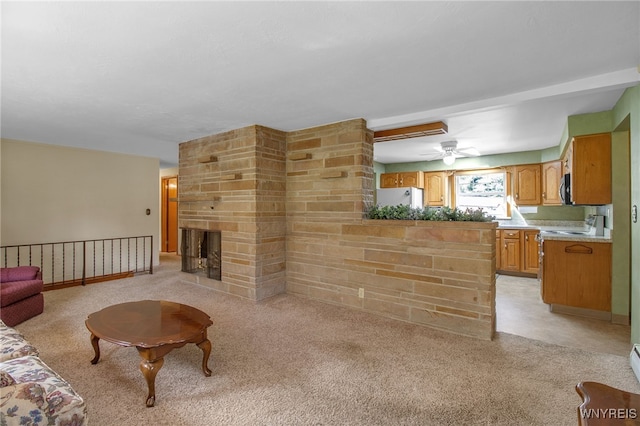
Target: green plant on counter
(444, 214)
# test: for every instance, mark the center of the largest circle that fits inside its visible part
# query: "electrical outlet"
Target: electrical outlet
(361, 293)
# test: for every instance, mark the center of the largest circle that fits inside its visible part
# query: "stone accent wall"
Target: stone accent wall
(234, 182)
(439, 274)
(290, 208)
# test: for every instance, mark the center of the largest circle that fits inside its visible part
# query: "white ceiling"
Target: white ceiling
(141, 77)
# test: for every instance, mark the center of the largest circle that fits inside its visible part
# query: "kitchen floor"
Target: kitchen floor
(520, 311)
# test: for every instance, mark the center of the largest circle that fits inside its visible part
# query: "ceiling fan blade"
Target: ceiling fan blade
(469, 152)
(431, 156)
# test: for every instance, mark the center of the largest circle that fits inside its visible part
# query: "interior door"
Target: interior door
(169, 214)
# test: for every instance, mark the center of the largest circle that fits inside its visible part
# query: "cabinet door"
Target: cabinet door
(510, 256)
(527, 185)
(590, 271)
(530, 252)
(551, 175)
(591, 169)
(414, 179)
(389, 180)
(434, 185)
(577, 274)
(554, 283)
(498, 251)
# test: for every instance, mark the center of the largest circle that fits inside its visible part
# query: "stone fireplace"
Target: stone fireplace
(201, 253)
(234, 184)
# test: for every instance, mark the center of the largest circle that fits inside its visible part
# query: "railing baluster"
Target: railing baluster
(63, 263)
(84, 263)
(53, 263)
(14, 256)
(151, 254)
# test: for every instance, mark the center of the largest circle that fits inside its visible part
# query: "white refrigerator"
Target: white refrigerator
(395, 196)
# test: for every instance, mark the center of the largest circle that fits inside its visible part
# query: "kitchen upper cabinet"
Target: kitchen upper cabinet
(510, 246)
(551, 174)
(589, 160)
(401, 180)
(435, 188)
(527, 182)
(577, 274)
(530, 251)
(389, 180)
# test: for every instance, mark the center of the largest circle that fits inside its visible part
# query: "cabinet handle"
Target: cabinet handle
(526, 238)
(400, 181)
(517, 195)
(441, 198)
(578, 249)
(544, 195)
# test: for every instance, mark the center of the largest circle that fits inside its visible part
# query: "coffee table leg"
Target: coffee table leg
(96, 348)
(205, 345)
(149, 370)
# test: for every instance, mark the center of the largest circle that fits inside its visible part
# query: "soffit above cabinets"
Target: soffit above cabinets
(429, 129)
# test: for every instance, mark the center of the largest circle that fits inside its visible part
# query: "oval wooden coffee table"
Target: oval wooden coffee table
(154, 327)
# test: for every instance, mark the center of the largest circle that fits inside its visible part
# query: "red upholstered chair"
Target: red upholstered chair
(20, 294)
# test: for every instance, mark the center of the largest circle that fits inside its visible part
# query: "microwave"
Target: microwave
(565, 189)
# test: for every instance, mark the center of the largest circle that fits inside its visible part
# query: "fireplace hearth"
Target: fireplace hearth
(201, 253)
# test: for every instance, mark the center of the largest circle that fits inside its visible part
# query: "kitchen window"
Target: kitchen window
(485, 189)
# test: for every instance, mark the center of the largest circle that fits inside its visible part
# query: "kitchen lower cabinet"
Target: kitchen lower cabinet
(517, 252)
(577, 274)
(498, 250)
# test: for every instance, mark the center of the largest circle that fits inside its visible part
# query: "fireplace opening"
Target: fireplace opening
(201, 253)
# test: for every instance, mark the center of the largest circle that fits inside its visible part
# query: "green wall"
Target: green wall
(483, 162)
(626, 118)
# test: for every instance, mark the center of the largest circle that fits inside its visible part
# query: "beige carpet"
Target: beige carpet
(292, 361)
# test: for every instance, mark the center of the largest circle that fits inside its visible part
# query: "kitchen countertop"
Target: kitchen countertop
(563, 231)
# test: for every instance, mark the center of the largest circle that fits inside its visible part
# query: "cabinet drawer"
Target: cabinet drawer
(509, 233)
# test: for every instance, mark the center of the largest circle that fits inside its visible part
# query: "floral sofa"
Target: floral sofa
(31, 393)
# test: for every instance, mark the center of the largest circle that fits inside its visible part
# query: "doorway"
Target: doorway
(169, 219)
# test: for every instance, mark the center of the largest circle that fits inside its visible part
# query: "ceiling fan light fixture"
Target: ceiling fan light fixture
(448, 158)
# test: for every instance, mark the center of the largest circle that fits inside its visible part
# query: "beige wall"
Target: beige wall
(53, 193)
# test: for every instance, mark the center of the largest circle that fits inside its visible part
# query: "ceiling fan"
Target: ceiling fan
(449, 152)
